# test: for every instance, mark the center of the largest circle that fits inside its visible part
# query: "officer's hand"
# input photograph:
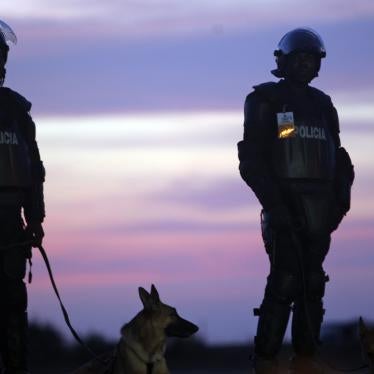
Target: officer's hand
(36, 233)
(280, 218)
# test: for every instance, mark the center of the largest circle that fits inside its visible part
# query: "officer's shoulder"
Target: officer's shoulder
(18, 100)
(268, 91)
(322, 97)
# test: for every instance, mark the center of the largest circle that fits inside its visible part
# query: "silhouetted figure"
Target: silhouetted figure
(292, 159)
(21, 213)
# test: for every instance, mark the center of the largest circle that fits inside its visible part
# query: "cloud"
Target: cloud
(83, 68)
(162, 17)
(214, 195)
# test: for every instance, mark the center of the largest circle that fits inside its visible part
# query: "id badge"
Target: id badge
(286, 125)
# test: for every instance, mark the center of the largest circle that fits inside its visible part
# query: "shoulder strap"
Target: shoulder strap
(269, 91)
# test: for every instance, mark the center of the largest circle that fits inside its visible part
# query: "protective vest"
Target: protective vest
(15, 161)
(303, 144)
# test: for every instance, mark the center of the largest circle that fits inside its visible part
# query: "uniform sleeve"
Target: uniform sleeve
(334, 124)
(34, 207)
(344, 173)
(255, 150)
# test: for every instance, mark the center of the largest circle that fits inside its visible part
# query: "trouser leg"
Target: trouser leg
(2, 337)
(306, 323)
(15, 357)
(14, 328)
(13, 294)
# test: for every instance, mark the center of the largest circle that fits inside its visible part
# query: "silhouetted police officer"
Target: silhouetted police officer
(21, 213)
(291, 158)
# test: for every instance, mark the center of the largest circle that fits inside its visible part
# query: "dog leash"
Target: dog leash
(50, 273)
(63, 309)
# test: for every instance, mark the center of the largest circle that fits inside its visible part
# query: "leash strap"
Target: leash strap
(64, 311)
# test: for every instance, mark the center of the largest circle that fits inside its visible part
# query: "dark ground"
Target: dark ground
(51, 354)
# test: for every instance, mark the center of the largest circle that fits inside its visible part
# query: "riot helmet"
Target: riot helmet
(298, 40)
(6, 35)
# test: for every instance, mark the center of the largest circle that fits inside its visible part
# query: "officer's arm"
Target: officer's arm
(255, 150)
(344, 175)
(34, 208)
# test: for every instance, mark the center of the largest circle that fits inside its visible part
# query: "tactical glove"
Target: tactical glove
(35, 232)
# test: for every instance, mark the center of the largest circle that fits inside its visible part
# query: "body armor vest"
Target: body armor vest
(15, 162)
(306, 149)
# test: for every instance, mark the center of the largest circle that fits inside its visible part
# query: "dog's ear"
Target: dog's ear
(154, 294)
(362, 326)
(146, 298)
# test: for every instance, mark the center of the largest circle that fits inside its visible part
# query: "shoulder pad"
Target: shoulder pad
(268, 90)
(18, 100)
(321, 96)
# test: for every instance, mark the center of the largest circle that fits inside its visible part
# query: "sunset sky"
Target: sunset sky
(139, 108)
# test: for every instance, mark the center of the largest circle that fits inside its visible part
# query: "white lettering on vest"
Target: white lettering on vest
(7, 137)
(310, 132)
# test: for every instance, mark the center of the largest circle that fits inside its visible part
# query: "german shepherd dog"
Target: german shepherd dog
(143, 340)
(367, 344)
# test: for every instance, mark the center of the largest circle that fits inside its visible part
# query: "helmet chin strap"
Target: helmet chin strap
(2, 75)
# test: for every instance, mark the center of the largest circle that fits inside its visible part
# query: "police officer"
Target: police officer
(291, 157)
(21, 213)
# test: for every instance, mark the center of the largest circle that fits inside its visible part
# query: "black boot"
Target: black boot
(304, 365)
(15, 352)
(306, 326)
(263, 365)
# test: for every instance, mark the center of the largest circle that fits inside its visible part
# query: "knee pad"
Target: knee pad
(315, 285)
(282, 287)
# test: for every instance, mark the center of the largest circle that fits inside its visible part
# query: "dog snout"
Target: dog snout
(181, 328)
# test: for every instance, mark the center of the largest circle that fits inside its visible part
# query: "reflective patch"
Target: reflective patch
(286, 125)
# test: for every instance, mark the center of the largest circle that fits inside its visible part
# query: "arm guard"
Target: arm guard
(34, 209)
(254, 151)
(344, 173)
(344, 178)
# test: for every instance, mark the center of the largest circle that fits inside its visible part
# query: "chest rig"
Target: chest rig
(303, 143)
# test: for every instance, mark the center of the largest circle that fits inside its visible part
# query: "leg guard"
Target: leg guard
(15, 355)
(274, 314)
(14, 342)
(308, 315)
